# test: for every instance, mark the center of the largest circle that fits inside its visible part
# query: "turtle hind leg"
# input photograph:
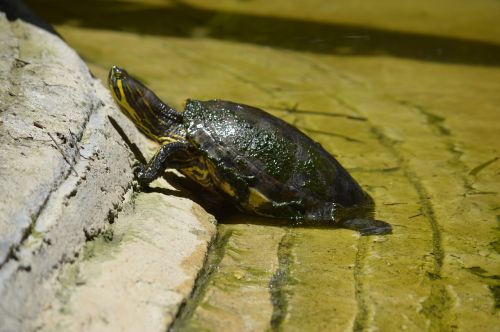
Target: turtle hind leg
(358, 218)
(367, 226)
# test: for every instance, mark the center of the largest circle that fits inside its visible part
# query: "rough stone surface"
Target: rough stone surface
(135, 276)
(64, 171)
(33, 78)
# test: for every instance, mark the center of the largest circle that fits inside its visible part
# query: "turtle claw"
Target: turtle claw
(368, 226)
(138, 170)
(140, 175)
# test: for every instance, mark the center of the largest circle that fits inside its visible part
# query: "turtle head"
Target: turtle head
(150, 115)
(116, 79)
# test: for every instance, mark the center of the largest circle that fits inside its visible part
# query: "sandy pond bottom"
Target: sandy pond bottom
(415, 125)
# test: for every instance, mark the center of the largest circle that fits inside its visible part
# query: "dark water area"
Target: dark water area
(185, 20)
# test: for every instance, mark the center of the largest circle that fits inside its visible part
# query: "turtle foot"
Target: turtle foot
(142, 177)
(368, 226)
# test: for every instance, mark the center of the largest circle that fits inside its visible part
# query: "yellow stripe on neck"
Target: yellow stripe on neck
(128, 110)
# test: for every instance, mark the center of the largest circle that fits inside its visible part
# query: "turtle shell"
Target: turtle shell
(266, 166)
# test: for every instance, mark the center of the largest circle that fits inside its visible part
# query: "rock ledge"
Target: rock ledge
(65, 172)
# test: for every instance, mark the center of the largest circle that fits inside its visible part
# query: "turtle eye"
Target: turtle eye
(118, 75)
(117, 72)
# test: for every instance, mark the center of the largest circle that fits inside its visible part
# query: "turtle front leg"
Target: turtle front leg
(172, 155)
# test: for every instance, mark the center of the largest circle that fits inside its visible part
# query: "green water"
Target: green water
(404, 94)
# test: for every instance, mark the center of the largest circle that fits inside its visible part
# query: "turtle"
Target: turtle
(257, 162)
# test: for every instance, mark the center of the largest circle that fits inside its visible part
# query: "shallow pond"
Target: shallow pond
(405, 95)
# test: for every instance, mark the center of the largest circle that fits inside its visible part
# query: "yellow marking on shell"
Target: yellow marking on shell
(200, 175)
(256, 199)
(169, 139)
(163, 140)
(221, 184)
(227, 188)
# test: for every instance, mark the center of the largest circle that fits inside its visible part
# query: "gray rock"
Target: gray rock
(64, 171)
(47, 98)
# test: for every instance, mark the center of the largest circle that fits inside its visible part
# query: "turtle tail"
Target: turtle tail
(152, 117)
